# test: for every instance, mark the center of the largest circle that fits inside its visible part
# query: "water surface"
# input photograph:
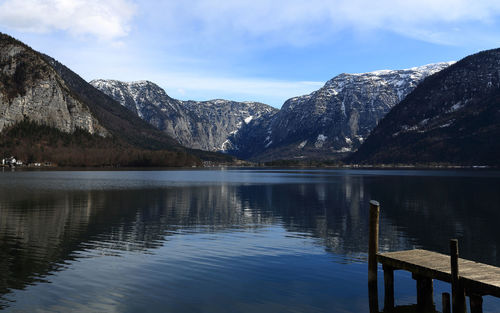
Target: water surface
(229, 240)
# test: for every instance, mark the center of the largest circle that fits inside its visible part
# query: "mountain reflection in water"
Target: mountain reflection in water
(233, 223)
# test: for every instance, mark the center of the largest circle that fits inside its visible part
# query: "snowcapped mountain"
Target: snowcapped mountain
(330, 122)
(205, 125)
(35, 87)
(334, 119)
(452, 117)
(49, 113)
(137, 96)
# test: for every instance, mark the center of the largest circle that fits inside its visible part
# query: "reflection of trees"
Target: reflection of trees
(416, 211)
(432, 210)
(40, 231)
(37, 233)
(334, 211)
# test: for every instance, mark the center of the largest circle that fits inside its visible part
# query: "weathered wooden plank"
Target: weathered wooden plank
(467, 277)
(481, 278)
(418, 261)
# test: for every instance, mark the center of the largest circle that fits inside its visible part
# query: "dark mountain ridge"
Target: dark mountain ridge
(114, 117)
(452, 117)
(435, 113)
(332, 121)
(35, 88)
(326, 124)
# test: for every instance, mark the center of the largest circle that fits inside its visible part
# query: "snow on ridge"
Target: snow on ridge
(139, 82)
(113, 83)
(400, 79)
(401, 76)
(320, 141)
(457, 106)
(423, 68)
(302, 144)
(226, 145)
(374, 92)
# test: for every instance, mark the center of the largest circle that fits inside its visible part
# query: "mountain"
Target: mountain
(452, 117)
(40, 92)
(333, 120)
(204, 125)
(112, 115)
(30, 88)
(224, 118)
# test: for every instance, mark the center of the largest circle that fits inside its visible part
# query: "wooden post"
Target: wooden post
(476, 303)
(425, 290)
(446, 302)
(457, 290)
(389, 288)
(372, 256)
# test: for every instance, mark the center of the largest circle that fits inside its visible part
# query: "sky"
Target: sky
(249, 50)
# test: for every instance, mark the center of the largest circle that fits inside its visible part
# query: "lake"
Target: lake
(230, 240)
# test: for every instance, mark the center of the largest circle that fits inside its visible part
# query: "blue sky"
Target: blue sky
(253, 50)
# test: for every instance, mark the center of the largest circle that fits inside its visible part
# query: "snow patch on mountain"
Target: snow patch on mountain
(336, 118)
(339, 116)
(205, 125)
(302, 144)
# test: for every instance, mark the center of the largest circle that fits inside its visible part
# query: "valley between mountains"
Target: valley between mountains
(443, 113)
(326, 124)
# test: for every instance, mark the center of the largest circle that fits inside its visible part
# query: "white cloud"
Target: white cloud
(105, 20)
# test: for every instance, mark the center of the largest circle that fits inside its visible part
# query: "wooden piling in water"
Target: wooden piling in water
(457, 290)
(477, 279)
(476, 303)
(388, 288)
(446, 302)
(425, 290)
(372, 255)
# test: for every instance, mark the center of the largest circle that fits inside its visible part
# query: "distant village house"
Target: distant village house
(12, 162)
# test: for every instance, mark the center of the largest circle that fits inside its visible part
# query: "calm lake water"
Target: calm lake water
(230, 240)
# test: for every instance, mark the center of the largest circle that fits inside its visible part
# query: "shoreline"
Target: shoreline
(250, 167)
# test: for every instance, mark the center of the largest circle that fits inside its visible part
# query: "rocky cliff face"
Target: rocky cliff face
(330, 122)
(224, 118)
(203, 125)
(30, 89)
(451, 117)
(37, 91)
(149, 102)
(333, 120)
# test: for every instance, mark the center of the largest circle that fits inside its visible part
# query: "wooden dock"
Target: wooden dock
(468, 278)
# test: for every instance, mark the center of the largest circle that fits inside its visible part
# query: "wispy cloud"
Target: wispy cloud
(105, 20)
(300, 22)
(294, 22)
